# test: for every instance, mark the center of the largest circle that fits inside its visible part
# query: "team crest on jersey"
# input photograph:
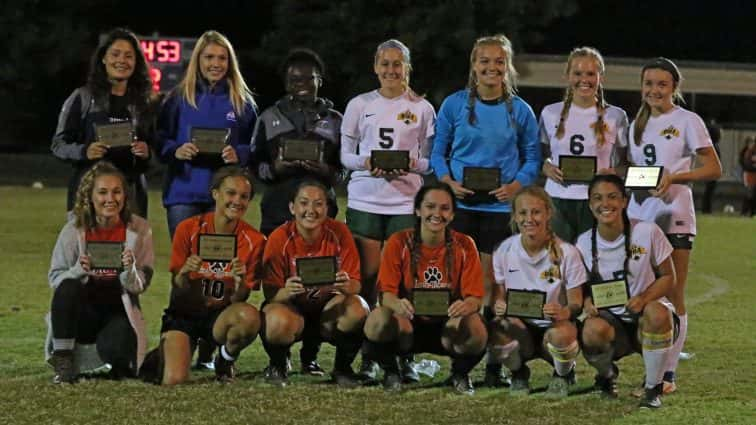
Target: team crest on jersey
(670, 131)
(230, 116)
(407, 116)
(551, 274)
(636, 251)
(217, 267)
(432, 279)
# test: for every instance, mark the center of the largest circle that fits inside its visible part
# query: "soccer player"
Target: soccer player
(535, 259)
(299, 115)
(583, 124)
(118, 90)
(641, 255)
(487, 125)
(333, 311)
(379, 202)
(208, 295)
(95, 322)
(430, 255)
(665, 134)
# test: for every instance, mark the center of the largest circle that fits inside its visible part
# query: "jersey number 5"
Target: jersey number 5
(385, 134)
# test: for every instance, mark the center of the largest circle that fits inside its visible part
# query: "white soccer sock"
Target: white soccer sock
(674, 354)
(564, 358)
(226, 355)
(656, 349)
(507, 354)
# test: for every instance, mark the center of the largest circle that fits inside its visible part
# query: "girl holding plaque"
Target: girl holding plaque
(541, 295)
(487, 125)
(429, 257)
(118, 93)
(640, 258)
(379, 201)
(320, 300)
(664, 134)
(585, 127)
(215, 262)
(213, 99)
(95, 322)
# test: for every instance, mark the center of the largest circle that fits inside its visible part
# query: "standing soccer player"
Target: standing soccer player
(665, 134)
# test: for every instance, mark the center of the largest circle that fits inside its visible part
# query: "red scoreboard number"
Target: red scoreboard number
(167, 58)
(161, 51)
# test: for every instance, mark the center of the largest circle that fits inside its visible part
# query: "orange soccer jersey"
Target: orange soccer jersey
(215, 278)
(467, 274)
(285, 245)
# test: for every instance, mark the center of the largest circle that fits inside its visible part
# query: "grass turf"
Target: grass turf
(716, 387)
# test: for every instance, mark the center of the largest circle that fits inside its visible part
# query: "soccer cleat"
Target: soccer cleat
(312, 368)
(608, 386)
(407, 370)
(225, 371)
(684, 356)
(495, 377)
(345, 378)
(652, 397)
(462, 384)
(559, 387)
(369, 370)
(63, 364)
(276, 376)
(392, 382)
(520, 384)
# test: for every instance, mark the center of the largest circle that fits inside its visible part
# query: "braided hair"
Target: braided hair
(509, 85)
(644, 112)
(595, 275)
(414, 242)
(83, 211)
(599, 127)
(553, 242)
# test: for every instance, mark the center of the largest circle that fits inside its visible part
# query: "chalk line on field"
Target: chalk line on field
(719, 287)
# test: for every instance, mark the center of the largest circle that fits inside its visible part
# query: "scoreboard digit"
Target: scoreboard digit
(168, 58)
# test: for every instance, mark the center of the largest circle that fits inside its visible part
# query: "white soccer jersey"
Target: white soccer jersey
(372, 121)
(515, 269)
(670, 140)
(579, 139)
(648, 247)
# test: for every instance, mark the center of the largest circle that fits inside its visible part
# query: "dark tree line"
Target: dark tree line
(48, 44)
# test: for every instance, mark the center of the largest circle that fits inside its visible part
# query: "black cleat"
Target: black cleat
(608, 386)
(392, 382)
(407, 370)
(520, 381)
(495, 378)
(652, 397)
(276, 376)
(63, 364)
(225, 371)
(462, 384)
(312, 368)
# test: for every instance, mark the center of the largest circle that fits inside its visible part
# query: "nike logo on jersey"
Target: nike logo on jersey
(368, 115)
(513, 270)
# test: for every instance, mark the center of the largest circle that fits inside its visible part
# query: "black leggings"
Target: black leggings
(74, 316)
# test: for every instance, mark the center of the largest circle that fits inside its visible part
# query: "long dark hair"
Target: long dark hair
(620, 185)
(139, 87)
(414, 243)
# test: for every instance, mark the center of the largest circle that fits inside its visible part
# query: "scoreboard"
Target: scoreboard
(168, 58)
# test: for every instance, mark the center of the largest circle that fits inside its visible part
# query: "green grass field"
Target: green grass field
(716, 387)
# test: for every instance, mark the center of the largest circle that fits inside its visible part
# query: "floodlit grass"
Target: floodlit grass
(716, 387)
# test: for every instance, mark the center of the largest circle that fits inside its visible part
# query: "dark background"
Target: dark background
(48, 44)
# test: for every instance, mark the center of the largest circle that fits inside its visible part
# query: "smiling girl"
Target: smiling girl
(583, 124)
(665, 134)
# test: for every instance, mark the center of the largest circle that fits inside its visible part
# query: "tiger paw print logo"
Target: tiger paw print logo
(550, 275)
(636, 251)
(407, 117)
(669, 132)
(432, 275)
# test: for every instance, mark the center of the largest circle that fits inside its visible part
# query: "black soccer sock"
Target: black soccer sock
(382, 353)
(276, 353)
(64, 310)
(347, 347)
(462, 365)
